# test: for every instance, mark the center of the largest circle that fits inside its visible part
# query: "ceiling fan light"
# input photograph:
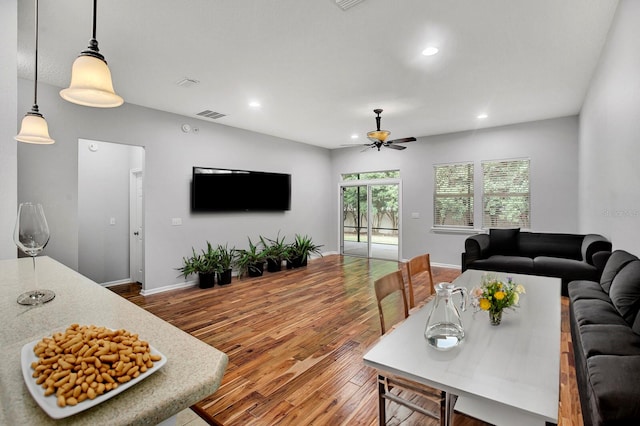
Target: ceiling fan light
(34, 129)
(379, 135)
(91, 84)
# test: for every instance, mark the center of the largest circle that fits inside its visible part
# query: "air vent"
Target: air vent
(347, 4)
(211, 114)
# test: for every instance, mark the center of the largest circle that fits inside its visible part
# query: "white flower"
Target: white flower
(476, 292)
(520, 289)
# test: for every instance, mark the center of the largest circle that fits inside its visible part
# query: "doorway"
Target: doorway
(370, 222)
(108, 175)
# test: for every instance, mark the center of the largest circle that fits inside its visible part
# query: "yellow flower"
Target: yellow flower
(485, 304)
(499, 295)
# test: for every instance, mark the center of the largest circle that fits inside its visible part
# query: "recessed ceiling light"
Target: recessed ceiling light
(254, 104)
(482, 116)
(430, 51)
(354, 136)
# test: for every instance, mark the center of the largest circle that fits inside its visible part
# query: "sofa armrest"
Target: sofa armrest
(475, 247)
(592, 244)
(600, 259)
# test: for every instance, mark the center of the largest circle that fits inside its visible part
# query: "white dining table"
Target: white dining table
(505, 375)
(193, 369)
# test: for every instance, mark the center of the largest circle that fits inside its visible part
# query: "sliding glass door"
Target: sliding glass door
(370, 219)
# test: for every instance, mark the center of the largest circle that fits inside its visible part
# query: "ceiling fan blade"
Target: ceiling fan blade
(403, 140)
(392, 146)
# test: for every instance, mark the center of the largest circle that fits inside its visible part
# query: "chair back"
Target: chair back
(416, 266)
(391, 299)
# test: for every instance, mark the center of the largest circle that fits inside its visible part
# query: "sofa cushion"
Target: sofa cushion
(625, 291)
(618, 260)
(504, 241)
(534, 244)
(594, 311)
(564, 268)
(581, 289)
(513, 264)
(599, 339)
(614, 392)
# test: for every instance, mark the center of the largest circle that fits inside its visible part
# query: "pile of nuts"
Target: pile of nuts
(87, 361)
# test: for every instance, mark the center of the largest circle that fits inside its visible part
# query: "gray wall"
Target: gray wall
(50, 175)
(610, 136)
(551, 145)
(8, 127)
(103, 195)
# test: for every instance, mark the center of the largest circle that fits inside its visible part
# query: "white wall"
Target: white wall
(103, 208)
(8, 128)
(50, 175)
(610, 136)
(551, 145)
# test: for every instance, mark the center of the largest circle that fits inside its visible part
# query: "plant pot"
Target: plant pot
(224, 277)
(256, 269)
(297, 262)
(206, 280)
(274, 265)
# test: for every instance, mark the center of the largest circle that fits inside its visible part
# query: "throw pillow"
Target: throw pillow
(504, 241)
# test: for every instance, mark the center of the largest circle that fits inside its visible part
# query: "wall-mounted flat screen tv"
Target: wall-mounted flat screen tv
(239, 190)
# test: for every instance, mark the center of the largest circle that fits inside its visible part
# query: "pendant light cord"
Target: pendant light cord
(95, 11)
(35, 85)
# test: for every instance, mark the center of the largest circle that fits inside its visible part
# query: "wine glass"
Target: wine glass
(31, 235)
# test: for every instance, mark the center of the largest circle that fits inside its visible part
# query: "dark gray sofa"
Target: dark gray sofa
(566, 256)
(605, 328)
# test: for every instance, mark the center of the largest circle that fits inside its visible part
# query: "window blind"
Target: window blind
(453, 197)
(506, 197)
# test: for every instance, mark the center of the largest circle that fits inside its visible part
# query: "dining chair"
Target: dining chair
(393, 309)
(419, 266)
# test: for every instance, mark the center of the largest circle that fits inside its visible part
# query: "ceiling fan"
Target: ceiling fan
(379, 137)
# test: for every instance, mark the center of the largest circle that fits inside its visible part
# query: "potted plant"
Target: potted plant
(299, 251)
(251, 260)
(275, 251)
(226, 258)
(201, 265)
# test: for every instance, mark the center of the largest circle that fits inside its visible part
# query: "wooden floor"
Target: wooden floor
(295, 341)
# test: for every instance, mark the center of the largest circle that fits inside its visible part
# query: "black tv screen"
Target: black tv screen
(239, 190)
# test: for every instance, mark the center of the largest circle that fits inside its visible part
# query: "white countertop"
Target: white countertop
(193, 370)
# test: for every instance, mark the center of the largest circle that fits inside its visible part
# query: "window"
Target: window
(388, 174)
(453, 198)
(506, 198)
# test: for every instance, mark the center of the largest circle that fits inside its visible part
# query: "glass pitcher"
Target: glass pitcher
(444, 328)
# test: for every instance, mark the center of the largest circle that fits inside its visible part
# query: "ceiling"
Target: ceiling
(318, 71)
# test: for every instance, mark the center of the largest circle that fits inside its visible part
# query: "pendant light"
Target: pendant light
(34, 128)
(90, 77)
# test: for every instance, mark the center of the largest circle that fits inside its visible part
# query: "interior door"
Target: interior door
(136, 234)
(371, 219)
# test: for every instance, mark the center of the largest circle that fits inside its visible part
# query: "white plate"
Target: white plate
(50, 403)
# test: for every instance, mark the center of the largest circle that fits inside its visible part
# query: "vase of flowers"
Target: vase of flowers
(495, 295)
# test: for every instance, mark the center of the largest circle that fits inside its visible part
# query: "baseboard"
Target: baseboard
(439, 265)
(117, 282)
(170, 287)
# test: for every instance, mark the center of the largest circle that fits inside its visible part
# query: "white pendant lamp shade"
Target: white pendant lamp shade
(91, 78)
(91, 84)
(34, 129)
